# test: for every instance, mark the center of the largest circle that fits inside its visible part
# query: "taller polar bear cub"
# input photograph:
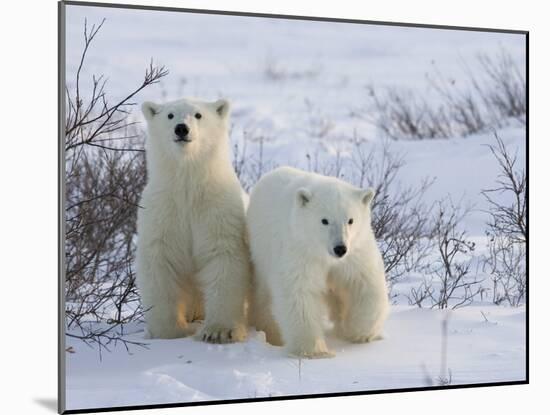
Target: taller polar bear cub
(192, 260)
(312, 246)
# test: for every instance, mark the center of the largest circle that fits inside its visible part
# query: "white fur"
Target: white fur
(296, 274)
(192, 260)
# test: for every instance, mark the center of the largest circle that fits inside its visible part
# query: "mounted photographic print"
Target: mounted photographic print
(259, 207)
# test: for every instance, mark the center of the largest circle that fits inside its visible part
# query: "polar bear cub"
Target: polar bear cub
(192, 260)
(313, 250)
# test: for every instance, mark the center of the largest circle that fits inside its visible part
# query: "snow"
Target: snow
(286, 79)
(485, 344)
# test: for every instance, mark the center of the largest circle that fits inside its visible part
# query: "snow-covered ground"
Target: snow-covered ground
(288, 80)
(485, 344)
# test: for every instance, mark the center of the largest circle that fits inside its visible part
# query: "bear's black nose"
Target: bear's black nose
(181, 130)
(340, 250)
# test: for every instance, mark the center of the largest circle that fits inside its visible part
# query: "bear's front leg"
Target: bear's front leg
(367, 310)
(161, 296)
(225, 284)
(260, 314)
(298, 310)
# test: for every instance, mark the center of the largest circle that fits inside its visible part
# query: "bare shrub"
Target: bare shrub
(453, 267)
(508, 219)
(240, 158)
(505, 263)
(506, 96)
(492, 95)
(399, 113)
(461, 108)
(249, 160)
(422, 293)
(400, 217)
(507, 229)
(452, 282)
(104, 176)
(102, 194)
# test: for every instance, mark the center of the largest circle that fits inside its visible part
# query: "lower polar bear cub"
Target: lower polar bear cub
(192, 260)
(312, 246)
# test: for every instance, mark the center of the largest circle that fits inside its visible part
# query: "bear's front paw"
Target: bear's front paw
(363, 338)
(218, 334)
(314, 354)
(317, 351)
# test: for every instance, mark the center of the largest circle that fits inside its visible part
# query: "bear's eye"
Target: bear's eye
(170, 116)
(324, 222)
(198, 115)
(350, 222)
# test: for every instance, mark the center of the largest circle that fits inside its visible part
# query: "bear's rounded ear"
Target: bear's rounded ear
(303, 196)
(367, 196)
(150, 109)
(222, 107)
